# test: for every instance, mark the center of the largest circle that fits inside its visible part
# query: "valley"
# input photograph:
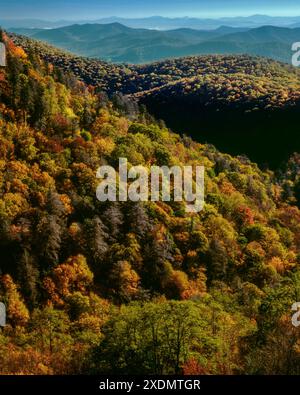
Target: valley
(226, 100)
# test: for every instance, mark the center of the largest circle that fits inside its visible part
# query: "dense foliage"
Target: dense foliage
(130, 79)
(94, 287)
(207, 97)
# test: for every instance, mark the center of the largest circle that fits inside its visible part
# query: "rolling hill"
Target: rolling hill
(117, 43)
(208, 97)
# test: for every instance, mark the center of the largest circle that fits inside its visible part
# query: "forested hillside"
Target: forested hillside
(101, 288)
(229, 101)
(130, 79)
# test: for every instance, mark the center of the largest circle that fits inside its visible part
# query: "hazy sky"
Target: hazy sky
(93, 9)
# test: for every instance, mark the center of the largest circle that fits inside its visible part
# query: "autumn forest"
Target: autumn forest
(145, 287)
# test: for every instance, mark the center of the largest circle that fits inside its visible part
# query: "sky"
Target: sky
(93, 9)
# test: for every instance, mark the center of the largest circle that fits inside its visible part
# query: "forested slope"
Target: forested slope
(85, 282)
(229, 101)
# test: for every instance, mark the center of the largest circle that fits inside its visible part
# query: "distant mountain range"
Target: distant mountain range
(118, 43)
(163, 23)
